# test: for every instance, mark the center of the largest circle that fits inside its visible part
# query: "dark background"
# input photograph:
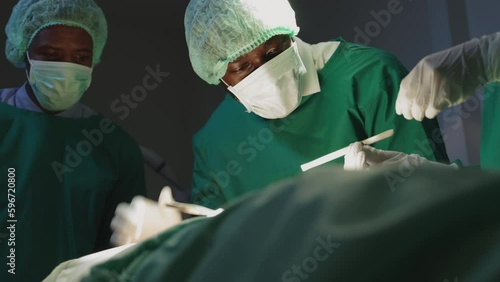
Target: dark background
(145, 33)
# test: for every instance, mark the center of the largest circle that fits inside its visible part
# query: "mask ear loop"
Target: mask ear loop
(26, 69)
(229, 88)
(227, 85)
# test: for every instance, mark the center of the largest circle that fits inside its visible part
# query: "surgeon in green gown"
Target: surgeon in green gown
(444, 79)
(288, 102)
(66, 166)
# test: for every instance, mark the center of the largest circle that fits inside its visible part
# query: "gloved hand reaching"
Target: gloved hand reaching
(449, 77)
(142, 219)
(361, 157)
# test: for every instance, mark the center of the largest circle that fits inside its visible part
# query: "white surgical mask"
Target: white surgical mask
(58, 85)
(274, 90)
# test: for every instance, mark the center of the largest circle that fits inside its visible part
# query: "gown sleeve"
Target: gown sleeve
(130, 183)
(205, 190)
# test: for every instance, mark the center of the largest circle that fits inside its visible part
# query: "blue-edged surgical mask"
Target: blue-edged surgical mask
(274, 90)
(58, 85)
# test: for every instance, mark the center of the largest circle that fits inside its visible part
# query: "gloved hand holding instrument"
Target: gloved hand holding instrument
(144, 218)
(360, 157)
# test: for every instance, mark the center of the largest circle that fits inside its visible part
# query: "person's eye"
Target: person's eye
(242, 67)
(83, 57)
(272, 51)
(49, 54)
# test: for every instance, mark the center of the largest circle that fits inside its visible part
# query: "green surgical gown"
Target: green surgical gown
(70, 174)
(334, 225)
(490, 130)
(237, 152)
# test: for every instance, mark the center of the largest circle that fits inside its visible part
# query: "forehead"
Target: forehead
(63, 36)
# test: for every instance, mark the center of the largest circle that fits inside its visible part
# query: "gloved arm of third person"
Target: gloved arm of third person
(360, 157)
(448, 77)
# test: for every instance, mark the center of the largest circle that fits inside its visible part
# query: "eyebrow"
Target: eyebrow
(59, 48)
(48, 47)
(282, 39)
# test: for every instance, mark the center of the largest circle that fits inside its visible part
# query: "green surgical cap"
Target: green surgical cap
(219, 31)
(30, 16)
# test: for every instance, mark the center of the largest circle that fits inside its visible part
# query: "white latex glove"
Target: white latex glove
(361, 157)
(142, 219)
(448, 77)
